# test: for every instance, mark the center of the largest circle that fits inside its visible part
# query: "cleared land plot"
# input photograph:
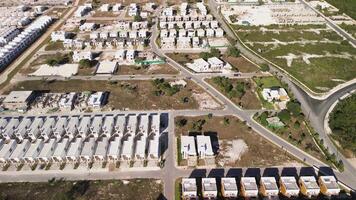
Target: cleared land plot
(241, 64)
(321, 63)
(183, 58)
(241, 92)
(149, 70)
(229, 129)
(90, 190)
(132, 95)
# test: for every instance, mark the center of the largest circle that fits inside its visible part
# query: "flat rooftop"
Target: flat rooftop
(229, 184)
(290, 183)
(309, 182)
(209, 184)
(189, 185)
(269, 183)
(17, 96)
(249, 183)
(330, 182)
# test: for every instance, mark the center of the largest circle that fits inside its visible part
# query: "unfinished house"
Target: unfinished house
(309, 186)
(329, 186)
(188, 150)
(229, 187)
(189, 188)
(249, 187)
(268, 187)
(288, 186)
(209, 188)
(120, 125)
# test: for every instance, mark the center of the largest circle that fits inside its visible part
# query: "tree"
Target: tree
(233, 51)
(214, 52)
(284, 116)
(85, 63)
(181, 122)
(294, 107)
(264, 67)
(204, 55)
(137, 18)
(52, 62)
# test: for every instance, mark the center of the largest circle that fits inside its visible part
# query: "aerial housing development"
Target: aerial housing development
(216, 99)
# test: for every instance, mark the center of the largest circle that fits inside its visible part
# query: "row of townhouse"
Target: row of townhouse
(123, 138)
(133, 34)
(102, 43)
(14, 48)
(218, 32)
(266, 187)
(185, 9)
(7, 35)
(189, 24)
(183, 42)
(128, 25)
(185, 18)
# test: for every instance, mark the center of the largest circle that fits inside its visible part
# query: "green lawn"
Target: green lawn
(267, 82)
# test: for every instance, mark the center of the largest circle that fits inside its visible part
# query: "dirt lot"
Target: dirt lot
(249, 100)
(241, 64)
(259, 152)
(133, 95)
(152, 69)
(80, 190)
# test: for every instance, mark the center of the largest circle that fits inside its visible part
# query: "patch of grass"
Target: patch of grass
(267, 82)
(178, 189)
(345, 6)
(54, 46)
(241, 64)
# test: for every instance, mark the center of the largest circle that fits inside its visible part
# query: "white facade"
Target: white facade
(229, 187)
(288, 186)
(59, 36)
(309, 186)
(269, 186)
(209, 188)
(82, 55)
(188, 147)
(204, 146)
(189, 188)
(249, 187)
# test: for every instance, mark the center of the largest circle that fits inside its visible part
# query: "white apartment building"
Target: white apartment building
(189, 188)
(209, 188)
(59, 36)
(204, 147)
(229, 187)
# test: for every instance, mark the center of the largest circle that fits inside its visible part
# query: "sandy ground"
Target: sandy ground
(206, 102)
(232, 150)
